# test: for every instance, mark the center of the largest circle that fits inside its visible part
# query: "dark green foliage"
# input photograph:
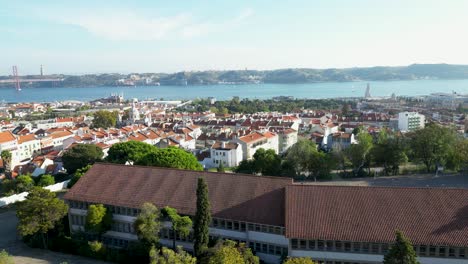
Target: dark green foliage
(170, 158)
(147, 225)
(401, 252)
(389, 152)
(130, 151)
(77, 175)
(98, 219)
(80, 156)
(39, 213)
(265, 162)
(23, 183)
(202, 219)
(432, 145)
(104, 119)
(181, 225)
(6, 158)
(253, 106)
(45, 180)
(306, 160)
(360, 154)
(228, 251)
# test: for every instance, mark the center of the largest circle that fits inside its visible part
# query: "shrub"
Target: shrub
(45, 180)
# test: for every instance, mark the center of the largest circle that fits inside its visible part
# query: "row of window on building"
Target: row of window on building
(375, 248)
(244, 226)
(114, 209)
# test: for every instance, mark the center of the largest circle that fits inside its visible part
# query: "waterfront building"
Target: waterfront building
(277, 217)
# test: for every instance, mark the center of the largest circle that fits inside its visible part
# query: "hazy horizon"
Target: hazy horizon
(148, 36)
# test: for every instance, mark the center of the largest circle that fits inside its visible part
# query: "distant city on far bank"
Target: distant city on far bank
(246, 76)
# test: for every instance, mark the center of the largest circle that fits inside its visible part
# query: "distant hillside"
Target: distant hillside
(301, 75)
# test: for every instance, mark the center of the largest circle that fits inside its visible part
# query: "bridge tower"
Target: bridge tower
(17, 81)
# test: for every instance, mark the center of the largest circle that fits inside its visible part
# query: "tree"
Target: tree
(307, 160)
(130, 151)
(202, 218)
(77, 175)
(221, 168)
(458, 159)
(104, 119)
(46, 180)
(401, 252)
(267, 162)
(359, 154)
(39, 213)
(5, 258)
(6, 157)
(171, 157)
(147, 224)
(227, 254)
(23, 183)
(168, 256)
(298, 261)
(181, 225)
(228, 251)
(432, 145)
(389, 152)
(98, 219)
(80, 156)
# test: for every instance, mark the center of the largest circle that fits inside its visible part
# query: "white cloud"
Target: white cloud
(133, 26)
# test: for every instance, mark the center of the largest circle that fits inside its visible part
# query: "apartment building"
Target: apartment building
(276, 217)
(256, 140)
(410, 121)
(227, 153)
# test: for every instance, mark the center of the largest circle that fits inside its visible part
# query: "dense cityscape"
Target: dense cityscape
(234, 132)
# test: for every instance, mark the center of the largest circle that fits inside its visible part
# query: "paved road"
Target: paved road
(23, 254)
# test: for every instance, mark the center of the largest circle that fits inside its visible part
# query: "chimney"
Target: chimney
(223, 144)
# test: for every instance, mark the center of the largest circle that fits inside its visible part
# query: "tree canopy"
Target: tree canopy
(228, 251)
(168, 256)
(77, 175)
(389, 152)
(401, 252)
(202, 219)
(80, 156)
(359, 154)
(265, 162)
(298, 261)
(104, 119)
(170, 157)
(147, 224)
(307, 160)
(432, 145)
(130, 151)
(181, 225)
(98, 219)
(39, 213)
(45, 180)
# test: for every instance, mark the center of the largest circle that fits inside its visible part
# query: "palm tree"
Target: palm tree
(6, 157)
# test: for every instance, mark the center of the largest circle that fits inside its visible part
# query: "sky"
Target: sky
(76, 37)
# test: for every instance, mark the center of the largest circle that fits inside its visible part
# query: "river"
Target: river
(260, 91)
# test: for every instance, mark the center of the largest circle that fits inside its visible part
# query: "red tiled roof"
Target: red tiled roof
(252, 137)
(427, 216)
(250, 198)
(26, 138)
(6, 137)
(61, 134)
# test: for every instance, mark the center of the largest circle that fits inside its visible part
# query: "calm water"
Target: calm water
(260, 91)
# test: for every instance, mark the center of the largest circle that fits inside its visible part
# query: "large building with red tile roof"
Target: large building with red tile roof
(277, 217)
